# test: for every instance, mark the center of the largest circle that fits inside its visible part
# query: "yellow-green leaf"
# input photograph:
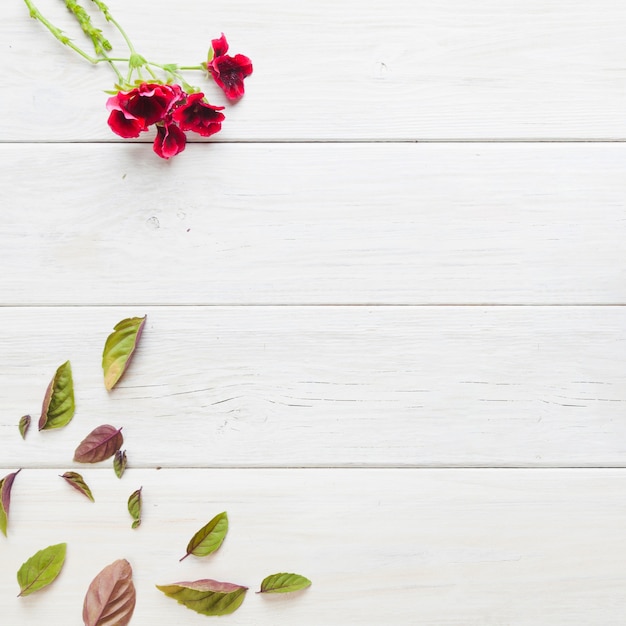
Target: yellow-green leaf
(119, 349)
(284, 583)
(41, 569)
(24, 425)
(119, 463)
(209, 538)
(134, 507)
(77, 481)
(6, 484)
(208, 597)
(58, 404)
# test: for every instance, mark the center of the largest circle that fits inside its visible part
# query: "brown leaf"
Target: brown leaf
(100, 444)
(110, 599)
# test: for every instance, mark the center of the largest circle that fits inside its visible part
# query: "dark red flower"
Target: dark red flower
(170, 140)
(199, 116)
(133, 111)
(228, 72)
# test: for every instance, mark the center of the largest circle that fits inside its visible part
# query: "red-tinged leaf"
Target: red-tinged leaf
(209, 538)
(208, 597)
(119, 349)
(110, 599)
(77, 481)
(6, 484)
(58, 405)
(100, 444)
(24, 425)
(119, 463)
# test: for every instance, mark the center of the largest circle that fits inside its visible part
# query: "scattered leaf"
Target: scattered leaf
(24, 425)
(134, 507)
(77, 481)
(119, 349)
(100, 444)
(209, 538)
(208, 597)
(119, 463)
(6, 485)
(41, 569)
(111, 597)
(284, 583)
(58, 404)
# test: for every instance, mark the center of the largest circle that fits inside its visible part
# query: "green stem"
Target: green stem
(58, 34)
(191, 68)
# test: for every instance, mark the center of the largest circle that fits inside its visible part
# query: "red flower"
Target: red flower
(170, 140)
(199, 116)
(133, 111)
(228, 72)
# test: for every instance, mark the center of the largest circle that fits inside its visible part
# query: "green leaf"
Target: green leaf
(77, 481)
(6, 484)
(119, 349)
(41, 569)
(209, 538)
(208, 597)
(111, 597)
(100, 444)
(284, 583)
(134, 507)
(119, 463)
(58, 404)
(24, 425)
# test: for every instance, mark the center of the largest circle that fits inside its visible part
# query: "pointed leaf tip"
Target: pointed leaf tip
(119, 349)
(58, 405)
(207, 597)
(6, 484)
(24, 425)
(41, 569)
(209, 538)
(284, 583)
(111, 597)
(100, 444)
(76, 480)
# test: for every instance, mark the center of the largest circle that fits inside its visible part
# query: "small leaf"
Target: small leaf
(119, 349)
(24, 425)
(111, 597)
(77, 481)
(100, 444)
(209, 538)
(6, 484)
(41, 569)
(119, 463)
(284, 583)
(134, 507)
(58, 404)
(208, 597)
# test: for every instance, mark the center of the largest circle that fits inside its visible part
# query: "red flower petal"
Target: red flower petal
(199, 116)
(170, 140)
(229, 72)
(125, 127)
(219, 46)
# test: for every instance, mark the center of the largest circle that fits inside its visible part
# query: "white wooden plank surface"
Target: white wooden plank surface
(329, 386)
(447, 547)
(418, 224)
(403, 69)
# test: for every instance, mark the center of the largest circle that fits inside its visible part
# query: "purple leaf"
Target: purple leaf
(100, 444)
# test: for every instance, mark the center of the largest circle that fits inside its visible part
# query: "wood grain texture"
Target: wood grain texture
(327, 70)
(328, 386)
(298, 224)
(447, 547)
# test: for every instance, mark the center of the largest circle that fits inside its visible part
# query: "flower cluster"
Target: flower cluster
(169, 103)
(175, 111)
